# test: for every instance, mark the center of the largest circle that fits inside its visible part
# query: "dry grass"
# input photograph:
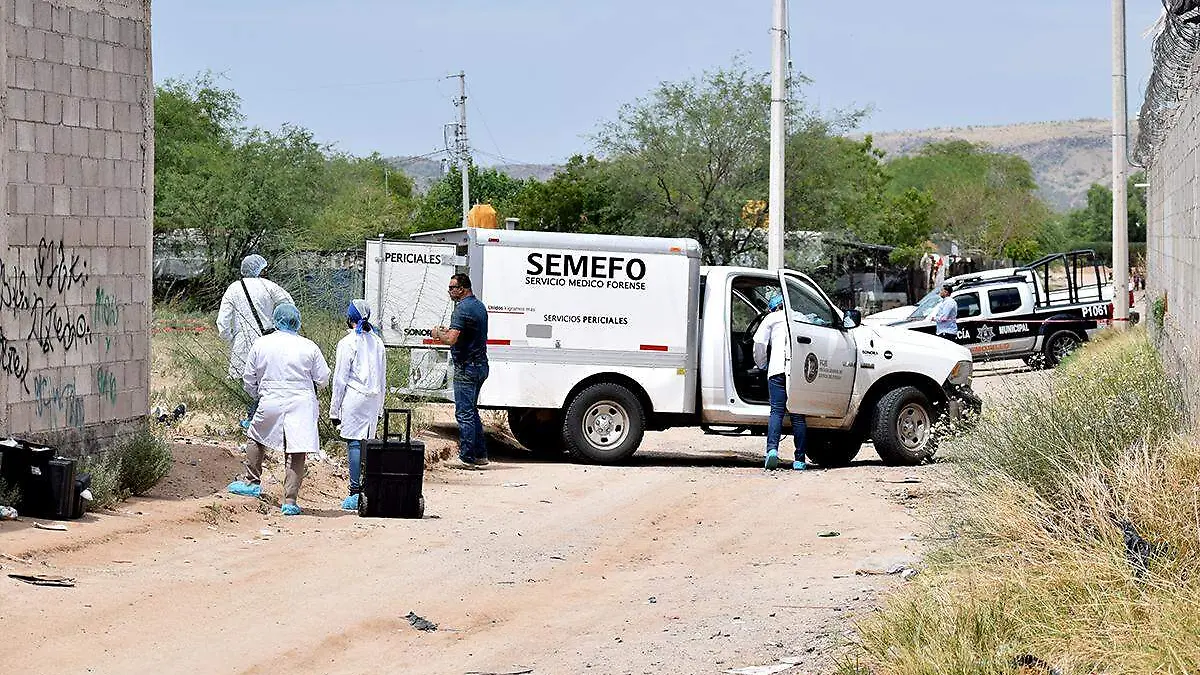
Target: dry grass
(1037, 564)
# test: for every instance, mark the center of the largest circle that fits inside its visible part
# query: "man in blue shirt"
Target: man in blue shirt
(467, 337)
(946, 315)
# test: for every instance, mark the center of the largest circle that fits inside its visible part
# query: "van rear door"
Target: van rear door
(406, 287)
(824, 357)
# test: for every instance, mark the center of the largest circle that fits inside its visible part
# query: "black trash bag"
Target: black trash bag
(1139, 550)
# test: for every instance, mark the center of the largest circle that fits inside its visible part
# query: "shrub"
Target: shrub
(106, 481)
(144, 460)
(9, 495)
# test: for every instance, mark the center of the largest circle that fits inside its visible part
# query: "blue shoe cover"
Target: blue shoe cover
(245, 424)
(350, 503)
(290, 510)
(241, 487)
(772, 459)
(799, 466)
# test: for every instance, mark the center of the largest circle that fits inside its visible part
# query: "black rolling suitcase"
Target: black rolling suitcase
(393, 469)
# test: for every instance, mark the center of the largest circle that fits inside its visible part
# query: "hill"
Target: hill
(425, 172)
(1067, 157)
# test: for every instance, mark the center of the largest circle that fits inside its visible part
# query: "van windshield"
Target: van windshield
(926, 305)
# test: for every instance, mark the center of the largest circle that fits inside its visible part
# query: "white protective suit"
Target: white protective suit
(236, 324)
(282, 370)
(771, 344)
(359, 379)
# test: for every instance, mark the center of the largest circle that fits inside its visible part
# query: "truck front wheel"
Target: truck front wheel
(1060, 345)
(604, 423)
(539, 431)
(902, 427)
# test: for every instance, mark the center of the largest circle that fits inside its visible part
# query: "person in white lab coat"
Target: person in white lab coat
(770, 352)
(359, 383)
(245, 315)
(283, 371)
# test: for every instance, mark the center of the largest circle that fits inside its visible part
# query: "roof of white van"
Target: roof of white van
(573, 241)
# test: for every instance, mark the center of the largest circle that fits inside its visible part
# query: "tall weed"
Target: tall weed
(1037, 565)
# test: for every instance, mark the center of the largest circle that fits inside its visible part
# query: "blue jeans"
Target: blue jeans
(468, 379)
(777, 389)
(354, 454)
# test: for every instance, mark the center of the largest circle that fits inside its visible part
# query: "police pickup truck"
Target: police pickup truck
(595, 339)
(1039, 312)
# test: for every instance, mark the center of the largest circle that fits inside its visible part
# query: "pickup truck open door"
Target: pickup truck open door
(824, 358)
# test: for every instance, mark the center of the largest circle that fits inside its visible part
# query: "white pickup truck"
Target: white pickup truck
(1039, 312)
(596, 339)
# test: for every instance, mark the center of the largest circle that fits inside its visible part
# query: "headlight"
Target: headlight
(961, 373)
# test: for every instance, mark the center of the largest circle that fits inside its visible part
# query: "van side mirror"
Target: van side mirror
(852, 319)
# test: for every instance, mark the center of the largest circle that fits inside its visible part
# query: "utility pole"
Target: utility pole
(460, 143)
(775, 238)
(1120, 131)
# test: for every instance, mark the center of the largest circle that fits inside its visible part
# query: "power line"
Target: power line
(350, 85)
(487, 128)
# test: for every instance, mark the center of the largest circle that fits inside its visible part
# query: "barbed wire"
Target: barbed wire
(1171, 84)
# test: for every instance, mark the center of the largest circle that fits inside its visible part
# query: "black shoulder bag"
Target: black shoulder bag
(254, 311)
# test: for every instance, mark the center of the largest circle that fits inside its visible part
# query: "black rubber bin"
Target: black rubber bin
(393, 471)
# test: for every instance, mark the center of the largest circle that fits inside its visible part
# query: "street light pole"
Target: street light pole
(1120, 131)
(775, 238)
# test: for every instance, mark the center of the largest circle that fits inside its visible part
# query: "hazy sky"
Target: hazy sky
(542, 74)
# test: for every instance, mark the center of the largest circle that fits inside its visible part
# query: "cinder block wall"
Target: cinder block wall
(77, 162)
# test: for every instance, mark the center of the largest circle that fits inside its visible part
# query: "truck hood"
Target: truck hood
(927, 353)
(889, 316)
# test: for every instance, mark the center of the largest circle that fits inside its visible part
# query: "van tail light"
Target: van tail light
(1131, 298)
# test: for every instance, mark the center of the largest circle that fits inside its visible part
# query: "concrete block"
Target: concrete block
(105, 232)
(62, 200)
(106, 172)
(17, 41)
(112, 145)
(91, 171)
(95, 206)
(121, 60)
(131, 147)
(104, 114)
(112, 86)
(78, 22)
(120, 174)
(54, 48)
(112, 29)
(23, 13)
(79, 83)
(129, 209)
(16, 223)
(35, 106)
(23, 73)
(122, 228)
(52, 113)
(112, 204)
(78, 201)
(71, 50)
(35, 44)
(96, 143)
(73, 227)
(62, 139)
(72, 167)
(88, 113)
(60, 19)
(70, 111)
(43, 76)
(121, 117)
(23, 199)
(43, 199)
(41, 15)
(95, 26)
(16, 105)
(87, 53)
(35, 167)
(104, 56)
(56, 168)
(129, 88)
(18, 167)
(54, 230)
(43, 138)
(96, 84)
(61, 76)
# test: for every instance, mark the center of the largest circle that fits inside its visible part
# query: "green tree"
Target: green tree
(984, 200)
(366, 198)
(441, 207)
(578, 198)
(1093, 221)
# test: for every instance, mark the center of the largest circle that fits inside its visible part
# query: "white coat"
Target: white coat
(282, 370)
(771, 343)
(359, 382)
(235, 322)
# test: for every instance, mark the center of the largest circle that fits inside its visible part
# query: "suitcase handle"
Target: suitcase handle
(387, 416)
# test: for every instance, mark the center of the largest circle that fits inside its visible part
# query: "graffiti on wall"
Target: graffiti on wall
(58, 402)
(106, 384)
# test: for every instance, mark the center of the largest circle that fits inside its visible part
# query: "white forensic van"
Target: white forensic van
(595, 339)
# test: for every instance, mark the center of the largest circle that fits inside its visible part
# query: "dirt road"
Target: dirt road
(692, 559)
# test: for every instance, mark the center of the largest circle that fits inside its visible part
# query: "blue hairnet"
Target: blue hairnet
(358, 312)
(287, 318)
(253, 265)
(775, 302)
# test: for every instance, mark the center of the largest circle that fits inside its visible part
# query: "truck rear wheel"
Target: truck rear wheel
(1060, 345)
(832, 449)
(902, 427)
(604, 423)
(539, 431)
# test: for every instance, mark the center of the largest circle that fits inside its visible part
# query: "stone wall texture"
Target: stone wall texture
(77, 163)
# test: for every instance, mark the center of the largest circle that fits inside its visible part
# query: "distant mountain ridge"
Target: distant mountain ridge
(1066, 157)
(425, 172)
